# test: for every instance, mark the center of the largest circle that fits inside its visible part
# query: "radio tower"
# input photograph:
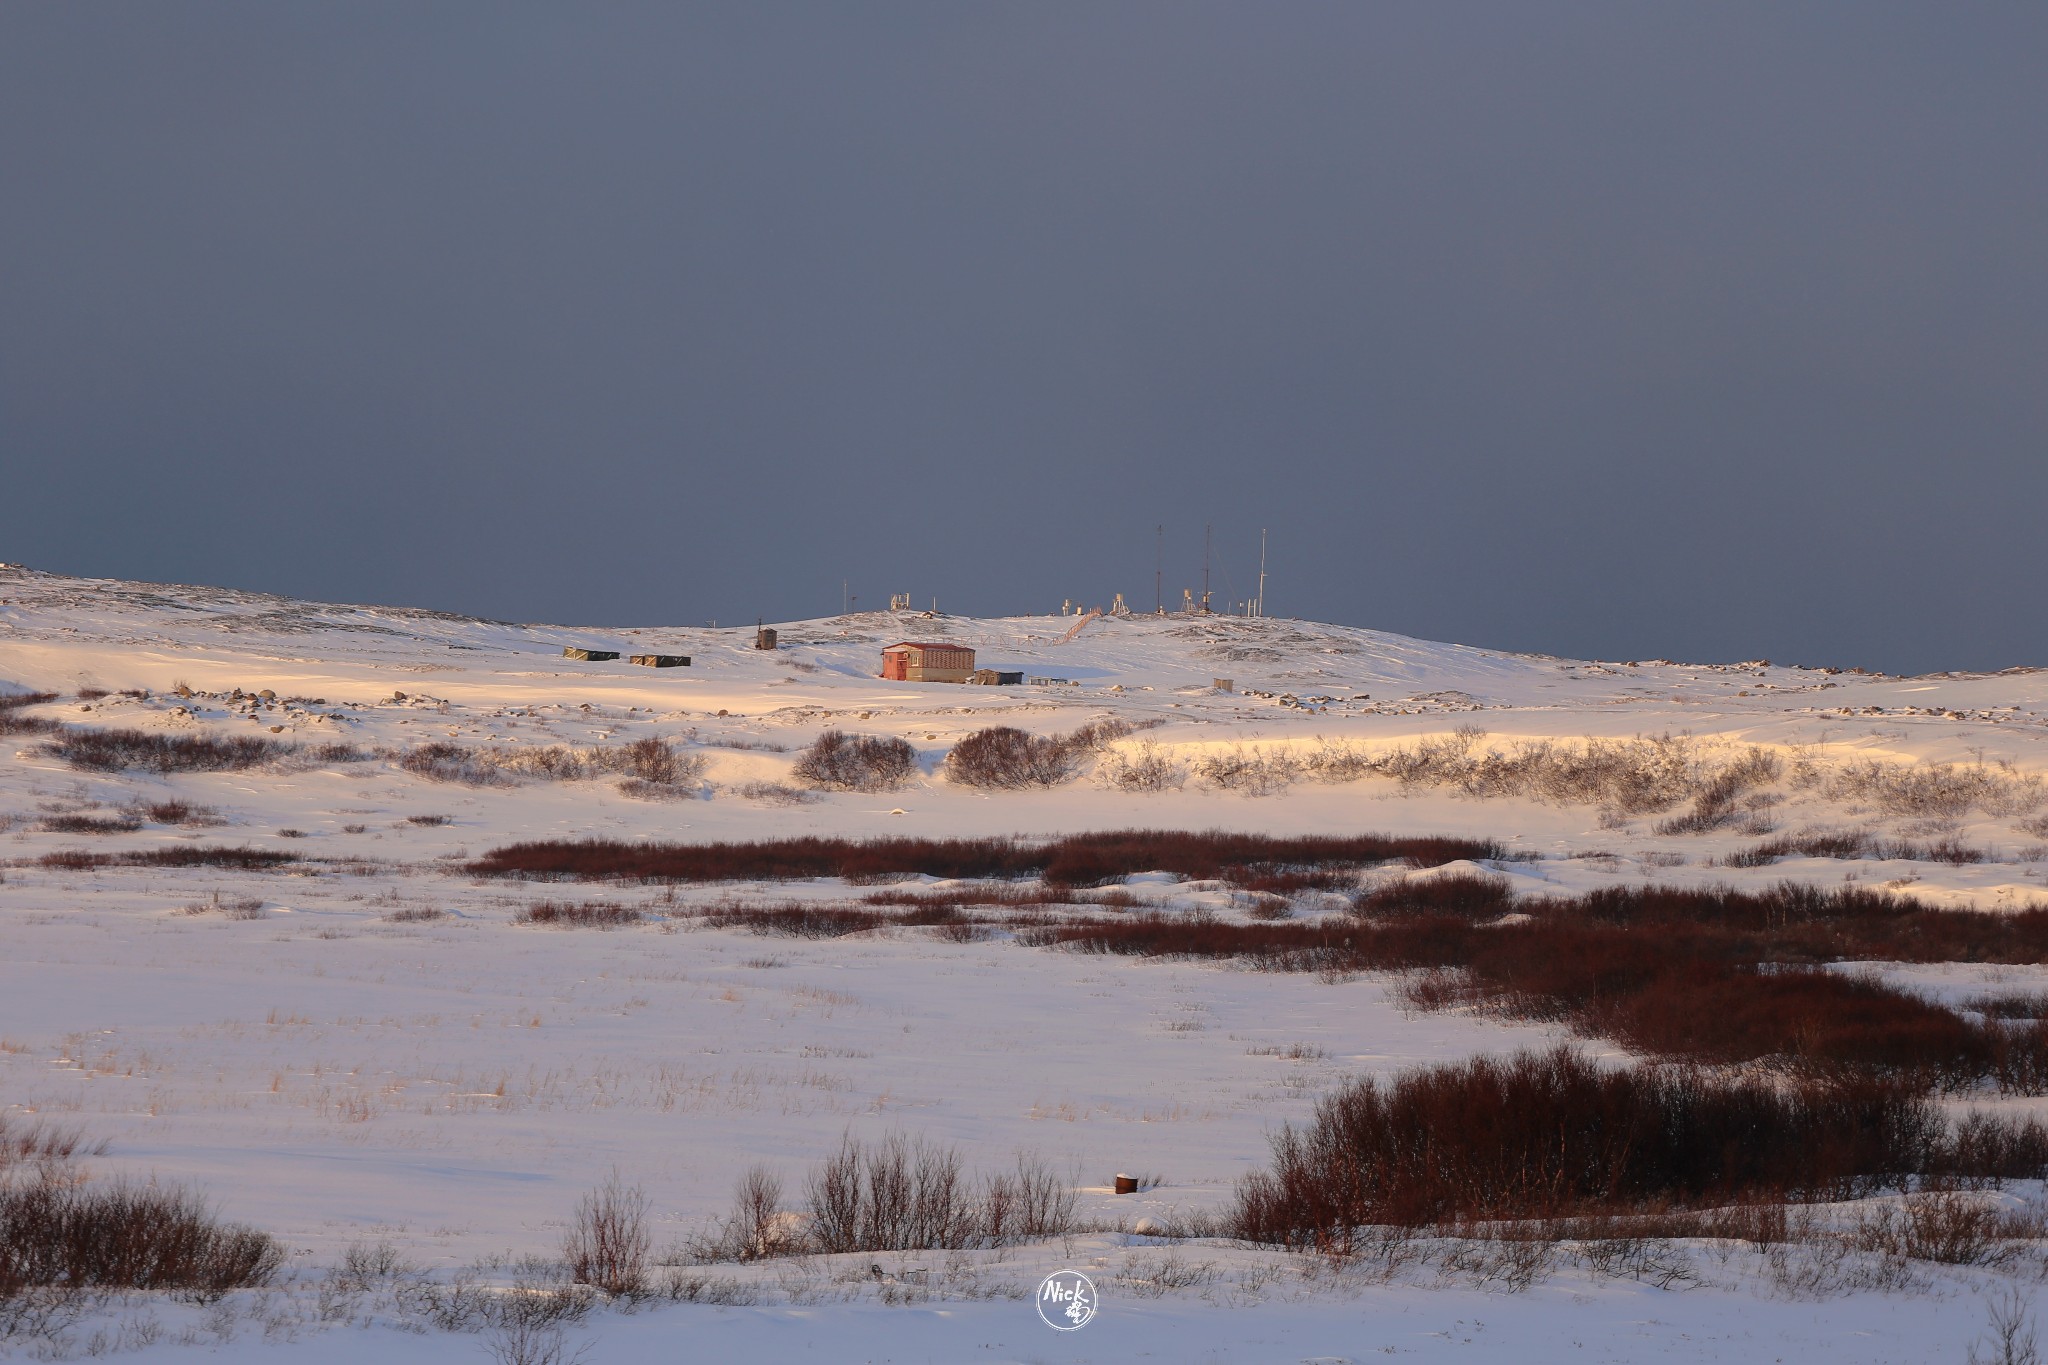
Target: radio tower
(1205, 568)
(1260, 608)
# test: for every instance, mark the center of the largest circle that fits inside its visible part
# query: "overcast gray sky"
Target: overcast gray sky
(1623, 330)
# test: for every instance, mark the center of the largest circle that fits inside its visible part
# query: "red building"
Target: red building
(912, 661)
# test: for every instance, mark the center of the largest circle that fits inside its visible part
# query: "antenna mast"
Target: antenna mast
(1205, 566)
(1260, 608)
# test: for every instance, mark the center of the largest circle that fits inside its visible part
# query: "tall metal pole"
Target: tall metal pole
(1261, 609)
(1205, 566)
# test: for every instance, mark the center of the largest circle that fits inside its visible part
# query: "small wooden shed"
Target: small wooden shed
(589, 655)
(661, 660)
(918, 661)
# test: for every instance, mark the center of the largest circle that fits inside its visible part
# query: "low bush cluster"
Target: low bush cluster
(1145, 767)
(112, 751)
(1715, 806)
(856, 763)
(896, 1194)
(121, 1235)
(182, 813)
(1006, 758)
(807, 919)
(1633, 776)
(1077, 860)
(13, 722)
(440, 761)
(1853, 844)
(1553, 1134)
(64, 1238)
(588, 915)
(89, 824)
(177, 855)
(1705, 975)
(649, 764)
(1936, 789)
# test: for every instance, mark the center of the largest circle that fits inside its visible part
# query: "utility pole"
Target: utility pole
(843, 599)
(1206, 531)
(1159, 574)
(1260, 610)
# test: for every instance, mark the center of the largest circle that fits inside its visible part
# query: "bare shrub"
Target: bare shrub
(89, 824)
(56, 1232)
(837, 761)
(1936, 789)
(183, 813)
(418, 914)
(115, 750)
(589, 915)
(41, 1145)
(440, 761)
(1035, 1201)
(1146, 768)
(1006, 758)
(365, 1265)
(904, 1194)
(1551, 1134)
(181, 855)
(757, 1227)
(428, 821)
(1949, 1227)
(775, 794)
(1858, 844)
(1634, 776)
(1714, 804)
(1264, 905)
(654, 760)
(13, 722)
(1463, 895)
(524, 1343)
(1076, 860)
(607, 1242)
(1252, 772)
(2009, 1337)
(659, 791)
(2024, 1006)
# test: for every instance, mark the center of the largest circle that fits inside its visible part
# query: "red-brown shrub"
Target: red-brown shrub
(177, 855)
(1077, 860)
(857, 763)
(1005, 757)
(89, 824)
(116, 750)
(1552, 1134)
(12, 722)
(1711, 976)
(589, 915)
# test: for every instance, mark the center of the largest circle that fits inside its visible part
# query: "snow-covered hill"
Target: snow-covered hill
(336, 1068)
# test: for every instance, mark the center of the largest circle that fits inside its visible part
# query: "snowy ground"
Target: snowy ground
(452, 1086)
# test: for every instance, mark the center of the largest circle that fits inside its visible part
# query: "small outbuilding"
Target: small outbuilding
(995, 677)
(661, 660)
(914, 661)
(589, 655)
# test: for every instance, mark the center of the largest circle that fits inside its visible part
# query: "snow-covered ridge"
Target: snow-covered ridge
(1291, 678)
